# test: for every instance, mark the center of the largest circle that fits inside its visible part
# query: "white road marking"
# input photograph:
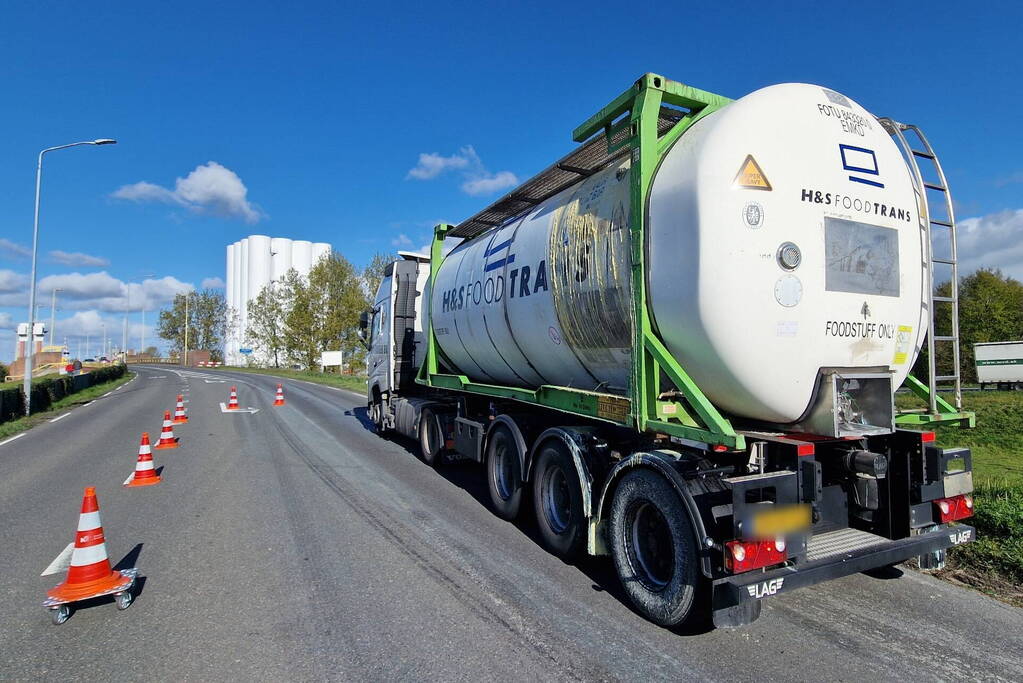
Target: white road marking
(104, 395)
(60, 417)
(89, 403)
(250, 409)
(215, 381)
(61, 562)
(12, 438)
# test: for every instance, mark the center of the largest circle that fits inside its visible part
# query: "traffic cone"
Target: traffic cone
(145, 474)
(179, 411)
(279, 399)
(90, 574)
(167, 439)
(232, 402)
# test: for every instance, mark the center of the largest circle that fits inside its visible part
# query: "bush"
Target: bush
(48, 390)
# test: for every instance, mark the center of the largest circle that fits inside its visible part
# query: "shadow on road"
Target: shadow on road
(470, 477)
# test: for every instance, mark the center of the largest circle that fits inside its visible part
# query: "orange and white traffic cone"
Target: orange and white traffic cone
(145, 474)
(90, 574)
(232, 402)
(167, 438)
(279, 399)
(179, 411)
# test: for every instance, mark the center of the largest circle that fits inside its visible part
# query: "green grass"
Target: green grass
(994, 562)
(12, 427)
(354, 383)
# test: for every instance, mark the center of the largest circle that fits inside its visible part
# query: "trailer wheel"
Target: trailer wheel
(653, 548)
(558, 501)
(431, 437)
(503, 474)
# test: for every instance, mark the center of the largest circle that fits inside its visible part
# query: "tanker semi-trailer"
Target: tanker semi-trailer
(679, 346)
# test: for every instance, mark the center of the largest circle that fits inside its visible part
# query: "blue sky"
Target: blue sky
(307, 121)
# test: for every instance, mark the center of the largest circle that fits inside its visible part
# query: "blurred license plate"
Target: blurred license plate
(780, 520)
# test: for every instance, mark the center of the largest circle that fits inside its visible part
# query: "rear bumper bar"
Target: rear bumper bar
(732, 591)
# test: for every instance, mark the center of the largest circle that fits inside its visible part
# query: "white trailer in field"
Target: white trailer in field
(1000, 363)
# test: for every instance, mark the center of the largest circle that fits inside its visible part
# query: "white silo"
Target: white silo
(280, 248)
(320, 249)
(302, 256)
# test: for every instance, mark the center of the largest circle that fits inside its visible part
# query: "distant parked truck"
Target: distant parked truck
(1000, 363)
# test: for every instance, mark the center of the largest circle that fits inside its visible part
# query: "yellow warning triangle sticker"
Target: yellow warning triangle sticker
(750, 176)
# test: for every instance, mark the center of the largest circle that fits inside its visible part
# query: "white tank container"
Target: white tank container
(545, 299)
(319, 250)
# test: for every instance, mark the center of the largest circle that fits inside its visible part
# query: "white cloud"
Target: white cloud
(12, 250)
(1010, 179)
(402, 240)
(212, 283)
(76, 259)
(6, 322)
(477, 180)
(991, 241)
(12, 282)
(432, 164)
(489, 183)
(212, 188)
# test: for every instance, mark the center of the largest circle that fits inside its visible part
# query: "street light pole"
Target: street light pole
(186, 329)
(27, 384)
(53, 309)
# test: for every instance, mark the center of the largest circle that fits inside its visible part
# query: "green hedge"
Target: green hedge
(48, 390)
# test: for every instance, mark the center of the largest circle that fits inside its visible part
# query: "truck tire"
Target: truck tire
(558, 501)
(431, 437)
(653, 548)
(504, 478)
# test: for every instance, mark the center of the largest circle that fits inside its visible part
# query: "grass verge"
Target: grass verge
(993, 563)
(12, 427)
(354, 383)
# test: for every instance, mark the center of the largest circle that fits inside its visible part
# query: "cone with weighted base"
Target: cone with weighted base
(232, 402)
(279, 399)
(167, 438)
(90, 574)
(179, 411)
(145, 474)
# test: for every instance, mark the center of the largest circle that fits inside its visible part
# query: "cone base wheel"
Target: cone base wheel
(60, 614)
(125, 599)
(162, 446)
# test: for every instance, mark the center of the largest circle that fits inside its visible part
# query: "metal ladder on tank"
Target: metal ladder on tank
(913, 159)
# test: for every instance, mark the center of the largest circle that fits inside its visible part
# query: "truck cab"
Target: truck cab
(393, 332)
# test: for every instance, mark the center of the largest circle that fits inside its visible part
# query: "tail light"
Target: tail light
(742, 556)
(954, 508)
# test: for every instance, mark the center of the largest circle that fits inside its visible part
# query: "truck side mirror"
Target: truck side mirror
(364, 328)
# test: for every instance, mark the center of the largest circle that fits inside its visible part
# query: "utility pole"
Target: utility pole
(187, 294)
(53, 308)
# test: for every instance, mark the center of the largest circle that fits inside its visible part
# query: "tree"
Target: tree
(207, 313)
(151, 352)
(373, 273)
(990, 309)
(266, 322)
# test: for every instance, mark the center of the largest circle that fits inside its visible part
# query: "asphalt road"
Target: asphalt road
(296, 543)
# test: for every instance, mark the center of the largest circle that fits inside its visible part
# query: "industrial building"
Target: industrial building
(253, 263)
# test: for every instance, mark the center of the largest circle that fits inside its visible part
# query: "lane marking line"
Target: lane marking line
(89, 403)
(250, 409)
(106, 394)
(12, 438)
(61, 562)
(60, 417)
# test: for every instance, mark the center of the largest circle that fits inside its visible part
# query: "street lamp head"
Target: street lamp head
(104, 141)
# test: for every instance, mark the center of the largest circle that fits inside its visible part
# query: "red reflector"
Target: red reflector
(927, 437)
(742, 556)
(954, 508)
(720, 449)
(804, 449)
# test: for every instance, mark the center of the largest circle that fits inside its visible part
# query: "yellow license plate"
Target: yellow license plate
(779, 520)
